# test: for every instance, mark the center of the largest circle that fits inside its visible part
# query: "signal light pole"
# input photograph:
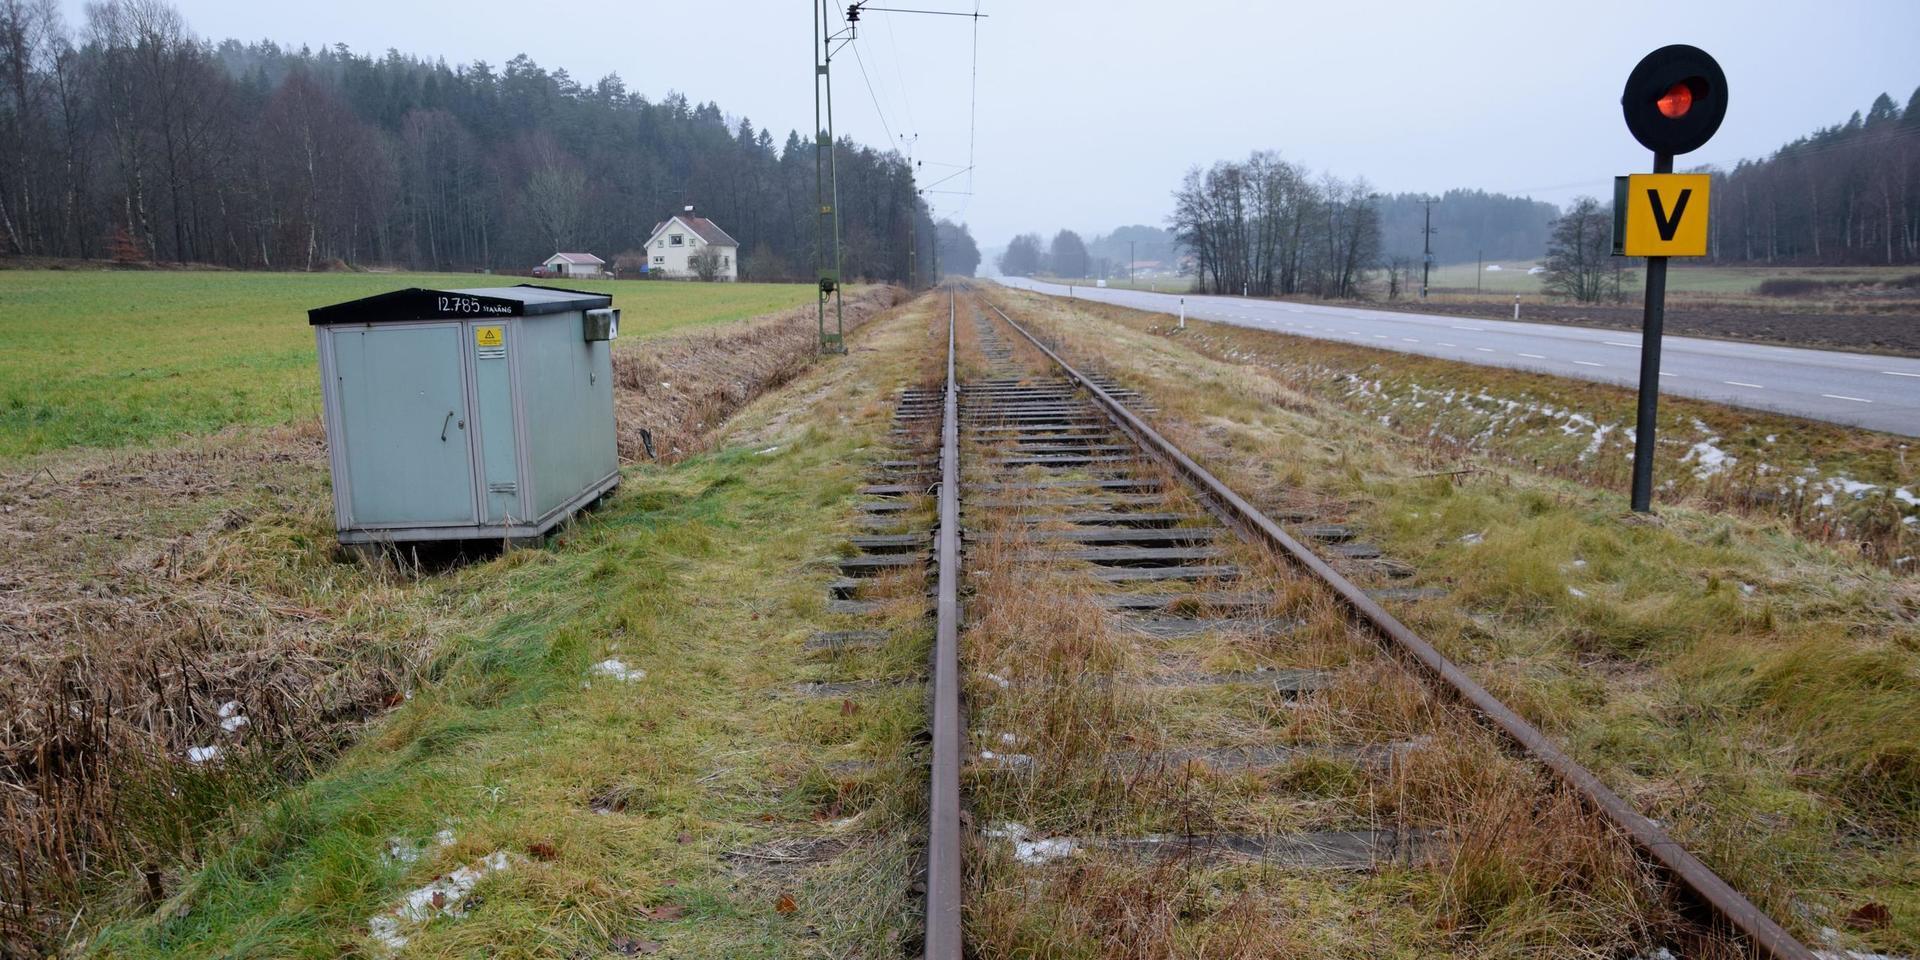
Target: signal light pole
(1673, 103)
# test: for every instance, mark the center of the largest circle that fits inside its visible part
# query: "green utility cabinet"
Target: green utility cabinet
(467, 414)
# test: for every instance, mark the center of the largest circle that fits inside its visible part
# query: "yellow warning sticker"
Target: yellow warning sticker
(488, 337)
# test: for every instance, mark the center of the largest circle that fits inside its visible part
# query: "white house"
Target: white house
(675, 241)
(575, 265)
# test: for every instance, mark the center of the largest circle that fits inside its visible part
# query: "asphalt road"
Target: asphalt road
(1855, 389)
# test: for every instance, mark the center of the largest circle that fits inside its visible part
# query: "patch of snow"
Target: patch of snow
(1493, 268)
(234, 722)
(1576, 591)
(1906, 496)
(1044, 850)
(618, 670)
(1000, 680)
(1746, 589)
(1472, 539)
(770, 451)
(1008, 759)
(1579, 563)
(445, 896)
(1032, 851)
(229, 709)
(1771, 438)
(206, 754)
(1708, 459)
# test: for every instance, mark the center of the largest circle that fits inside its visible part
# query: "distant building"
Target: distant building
(575, 265)
(677, 240)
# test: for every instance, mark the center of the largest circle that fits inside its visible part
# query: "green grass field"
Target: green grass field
(109, 359)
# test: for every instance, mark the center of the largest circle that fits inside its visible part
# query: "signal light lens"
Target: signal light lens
(1677, 101)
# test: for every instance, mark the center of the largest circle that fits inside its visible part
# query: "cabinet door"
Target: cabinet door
(403, 409)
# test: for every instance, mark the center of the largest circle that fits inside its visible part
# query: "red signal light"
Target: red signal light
(1676, 102)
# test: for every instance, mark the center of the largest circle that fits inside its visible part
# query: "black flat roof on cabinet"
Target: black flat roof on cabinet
(474, 303)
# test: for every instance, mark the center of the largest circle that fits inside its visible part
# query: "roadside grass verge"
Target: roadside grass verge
(161, 606)
(103, 358)
(1736, 674)
(1856, 489)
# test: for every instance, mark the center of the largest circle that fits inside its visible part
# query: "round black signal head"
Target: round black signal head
(1675, 99)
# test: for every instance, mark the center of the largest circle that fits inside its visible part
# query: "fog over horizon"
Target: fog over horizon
(1086, 115)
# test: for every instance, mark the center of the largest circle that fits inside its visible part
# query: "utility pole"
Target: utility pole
(1129, 264)
(826, 181)
(913, 220)
(1426, 244)
(1479, 267)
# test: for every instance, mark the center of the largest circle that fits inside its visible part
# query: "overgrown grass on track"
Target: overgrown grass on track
(108, 359)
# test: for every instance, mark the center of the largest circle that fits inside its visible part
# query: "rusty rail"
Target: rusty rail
(1705, 887)
(943, 940)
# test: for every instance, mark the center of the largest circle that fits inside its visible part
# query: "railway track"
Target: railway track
(1170, 725)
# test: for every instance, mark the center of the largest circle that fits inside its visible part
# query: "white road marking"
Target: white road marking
(1446, 344)
(1896, 373)
(1616, 343)
(1589, 363)
(1380, 336)
(1836, 396)
(1736, 383)
(1409, 339)
(1474, 329)
(1484, 349)
(1353, 333)
(1666, 374)
(1533, 356)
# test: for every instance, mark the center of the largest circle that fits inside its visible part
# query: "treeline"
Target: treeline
(1847, 194)
(132, 138)
(1265, 226)
(1468, 225)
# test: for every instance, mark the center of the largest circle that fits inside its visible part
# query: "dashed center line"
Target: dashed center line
(1837, 396)
(1380, 336)
(1484, 349)
(1736, 383)
(1617, 343)
(1589, 363)
(1445, 344)
(1353, 333)
(1533, 356)
(1410, 339)
(1896, 373)
(1474, 329)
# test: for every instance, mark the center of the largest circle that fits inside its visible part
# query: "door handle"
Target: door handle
(443, 426)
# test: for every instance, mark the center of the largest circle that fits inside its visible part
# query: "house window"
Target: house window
(726, 262)
(660, 245)
(675, 239)
(659, 259)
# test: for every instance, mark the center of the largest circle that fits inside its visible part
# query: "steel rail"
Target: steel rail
(1706, 887)
(943, 940)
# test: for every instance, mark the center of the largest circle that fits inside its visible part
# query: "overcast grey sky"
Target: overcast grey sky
(1089, 112)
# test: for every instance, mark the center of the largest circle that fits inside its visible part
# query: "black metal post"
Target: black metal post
(1651, 319)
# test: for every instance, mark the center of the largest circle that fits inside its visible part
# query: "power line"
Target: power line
(973, 94)
(898, 74)
(876, 97)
